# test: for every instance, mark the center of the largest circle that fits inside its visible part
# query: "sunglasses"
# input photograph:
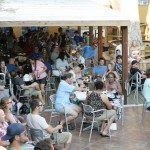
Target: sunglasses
(41, 105)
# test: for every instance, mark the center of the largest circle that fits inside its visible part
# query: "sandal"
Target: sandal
(104, 135)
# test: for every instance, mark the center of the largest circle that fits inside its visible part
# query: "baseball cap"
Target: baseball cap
(13, 130)
(134, 62)
(119, 57)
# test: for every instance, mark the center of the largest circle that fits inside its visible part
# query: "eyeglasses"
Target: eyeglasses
(41, 105)
(9, 102)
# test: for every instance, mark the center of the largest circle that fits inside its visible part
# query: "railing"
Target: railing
(135, 81)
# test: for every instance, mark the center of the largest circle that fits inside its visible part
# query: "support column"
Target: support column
(91, 34)
(79, 30)
(124, 59)
(100, 42)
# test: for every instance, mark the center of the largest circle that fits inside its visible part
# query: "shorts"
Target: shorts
(72, 109)
(110, 113)
(61, 137)
(31, 91)
(41, 81)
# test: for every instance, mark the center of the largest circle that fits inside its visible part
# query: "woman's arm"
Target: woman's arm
(10, 118)
(119, 89)
(106, 101)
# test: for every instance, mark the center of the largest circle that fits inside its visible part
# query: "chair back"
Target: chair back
(53, 99)
(36, 134)
(2, 78)
(87, 108)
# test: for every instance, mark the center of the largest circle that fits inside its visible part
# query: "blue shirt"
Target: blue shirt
(35, 55)
(11, 67)
(47, 64)
(99, 69)
(146, 91)
(88, 51)
(62, 95)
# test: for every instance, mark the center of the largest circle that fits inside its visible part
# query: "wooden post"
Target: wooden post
(79, 30)
(91, 34)
(100, 42)
(124, 59)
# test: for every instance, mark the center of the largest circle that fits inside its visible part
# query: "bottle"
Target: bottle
(60, 130)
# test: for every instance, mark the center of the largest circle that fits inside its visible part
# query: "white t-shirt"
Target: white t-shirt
(38, 122)
(81, 60)
(61, 64)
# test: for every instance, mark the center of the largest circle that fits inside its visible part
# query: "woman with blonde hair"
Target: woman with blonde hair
(6, 105)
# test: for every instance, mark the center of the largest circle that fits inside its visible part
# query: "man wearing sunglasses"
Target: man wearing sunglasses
(17, 136)
(35, 121)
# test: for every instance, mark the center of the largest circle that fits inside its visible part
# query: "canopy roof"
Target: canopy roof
(58, 13)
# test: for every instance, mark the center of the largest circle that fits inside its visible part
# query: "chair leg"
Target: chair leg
(66, 122)
(122, 116)
(81, 126)
(91, 131)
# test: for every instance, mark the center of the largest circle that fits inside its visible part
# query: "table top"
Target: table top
(81, 96)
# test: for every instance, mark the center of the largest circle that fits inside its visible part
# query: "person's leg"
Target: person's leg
(42, 85)
(71, 112)
(35, 86)
(63, 138)
(111, 116)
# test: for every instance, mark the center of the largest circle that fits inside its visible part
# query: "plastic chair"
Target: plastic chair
(50, 86)
(54, 113)
(2, 78)
(36, 134)
(20, 93)
(89, 109)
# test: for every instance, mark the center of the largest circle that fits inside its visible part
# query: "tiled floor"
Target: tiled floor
(131, 136)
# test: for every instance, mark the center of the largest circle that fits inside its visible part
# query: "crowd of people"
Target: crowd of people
(52, 55)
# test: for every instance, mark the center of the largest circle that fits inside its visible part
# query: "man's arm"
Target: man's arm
(50, 129)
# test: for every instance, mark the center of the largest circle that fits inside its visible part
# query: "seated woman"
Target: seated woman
(110, 69)
(62, 63)
(146, 89)
(6, 106)
(114, 91)
(3, 69)
(134, 51)
(3, 128)
(98, 100)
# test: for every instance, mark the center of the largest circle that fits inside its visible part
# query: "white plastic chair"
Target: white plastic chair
(89, 109)
(50, 87)
(20, 93)
(54, 113)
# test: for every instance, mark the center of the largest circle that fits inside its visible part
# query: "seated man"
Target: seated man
(34, 120)
(32, 89)
(98, 71)
(135, 68)
(17, 136)
(63, 93)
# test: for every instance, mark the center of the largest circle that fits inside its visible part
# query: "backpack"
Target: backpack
(25, 108)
